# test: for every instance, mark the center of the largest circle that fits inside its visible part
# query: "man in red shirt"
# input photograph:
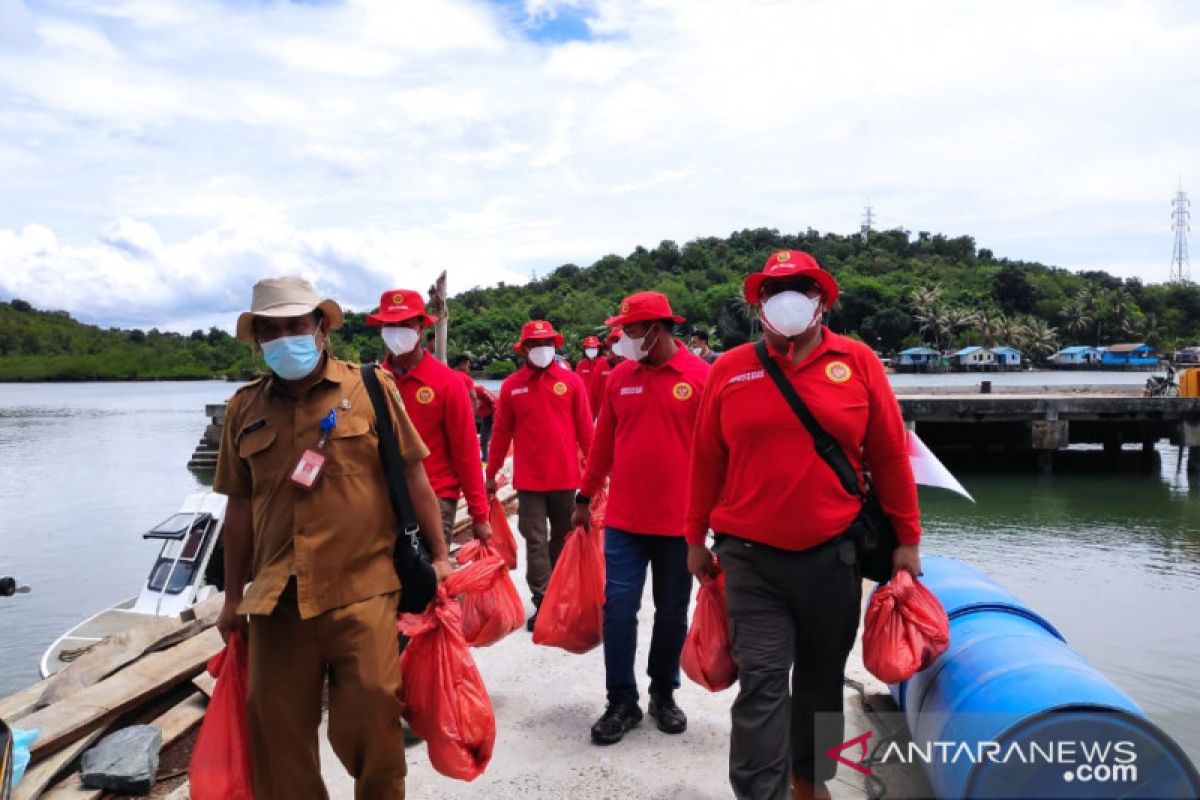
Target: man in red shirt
(586, 368)
(544, 413)
(643, 440)
(436, 398)
(793, 587)
(462, 365)
(604, 368)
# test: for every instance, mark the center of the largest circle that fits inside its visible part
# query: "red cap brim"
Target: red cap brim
(392, 319)
(829, 287)
(636, 316)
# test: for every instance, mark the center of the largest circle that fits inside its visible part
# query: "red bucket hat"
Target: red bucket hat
(788, 264)
(400, 305)
(538, 329)
(613, 337)
(591, 341)
(643, 307)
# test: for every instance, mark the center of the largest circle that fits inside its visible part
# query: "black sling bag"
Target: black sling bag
(872, 531)
(418, 582)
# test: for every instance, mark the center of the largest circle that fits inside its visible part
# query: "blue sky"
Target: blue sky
(160, 155)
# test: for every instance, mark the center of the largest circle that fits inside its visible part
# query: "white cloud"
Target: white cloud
(160, 155)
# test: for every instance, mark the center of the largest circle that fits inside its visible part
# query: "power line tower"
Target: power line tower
(1180, 214)
(868, 222)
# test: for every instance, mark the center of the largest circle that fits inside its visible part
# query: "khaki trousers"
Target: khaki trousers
(289, 661)
(543, 542)
(448, 508)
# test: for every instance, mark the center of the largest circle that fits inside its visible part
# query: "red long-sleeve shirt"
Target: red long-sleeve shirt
(545, 415)
(643, 440)
(586, 370)
(754, 470)
(600, 376)
(436, 399)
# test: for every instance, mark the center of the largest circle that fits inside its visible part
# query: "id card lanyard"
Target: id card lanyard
(312, 462)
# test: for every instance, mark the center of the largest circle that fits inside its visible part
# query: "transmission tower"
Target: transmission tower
(1180, 214)
(868, 222)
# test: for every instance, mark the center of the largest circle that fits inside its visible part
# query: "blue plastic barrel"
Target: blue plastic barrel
(1009, 681)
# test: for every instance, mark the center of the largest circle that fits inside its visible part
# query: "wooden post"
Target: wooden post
(437, 298)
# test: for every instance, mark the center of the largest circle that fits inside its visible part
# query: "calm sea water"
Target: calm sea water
(1112, 558)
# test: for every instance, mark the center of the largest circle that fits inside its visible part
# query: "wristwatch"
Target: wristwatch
(580, 500)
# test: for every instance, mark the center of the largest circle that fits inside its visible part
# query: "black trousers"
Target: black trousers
(791, 612)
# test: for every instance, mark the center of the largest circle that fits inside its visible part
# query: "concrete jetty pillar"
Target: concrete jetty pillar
(1189, 437)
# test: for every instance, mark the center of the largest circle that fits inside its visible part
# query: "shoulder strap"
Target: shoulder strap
(393, 464)
(827, 447)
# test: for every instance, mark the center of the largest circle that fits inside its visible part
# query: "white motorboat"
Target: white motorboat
(185, 573)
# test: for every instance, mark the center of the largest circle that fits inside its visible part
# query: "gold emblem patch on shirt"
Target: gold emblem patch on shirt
(425, 395)
(560, 388)
(682, 391)
(837, 371)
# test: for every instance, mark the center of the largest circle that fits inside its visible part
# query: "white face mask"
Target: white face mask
(630, 348)
(790, 313)
(697, 351)
(400, 340)
(541, 357)
(591, 352)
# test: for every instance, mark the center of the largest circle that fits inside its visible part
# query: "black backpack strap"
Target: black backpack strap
(827, 446)
(393, 464)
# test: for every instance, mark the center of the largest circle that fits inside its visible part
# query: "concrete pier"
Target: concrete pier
(1046, 423)
(1040, 421)
(204, 459)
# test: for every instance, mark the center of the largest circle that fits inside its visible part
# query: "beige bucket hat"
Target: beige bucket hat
(289, 296)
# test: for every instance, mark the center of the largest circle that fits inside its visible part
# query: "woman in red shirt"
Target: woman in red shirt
(793, 587)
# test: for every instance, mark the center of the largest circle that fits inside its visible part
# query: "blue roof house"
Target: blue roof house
(1138, 354)
(917, 357)
(1007, 356)
(1077, 354)
(973, 356)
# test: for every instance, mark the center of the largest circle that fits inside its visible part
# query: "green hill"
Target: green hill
(897, 290)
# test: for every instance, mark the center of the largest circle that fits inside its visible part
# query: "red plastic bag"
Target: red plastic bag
(598, 508)
(906, 629)
(446, 703)
(495, 611)
(502, 541)
(707, 656)
(572, 612)
(220, 765)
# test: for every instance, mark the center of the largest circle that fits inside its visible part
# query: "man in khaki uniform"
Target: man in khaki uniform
(323, 592)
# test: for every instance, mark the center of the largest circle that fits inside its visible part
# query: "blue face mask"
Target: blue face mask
(292, 357)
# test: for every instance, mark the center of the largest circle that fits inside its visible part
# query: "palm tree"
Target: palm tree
(1038, 337)
(1148, 328)
(1078, 318)
(952, 321)
(924, 298)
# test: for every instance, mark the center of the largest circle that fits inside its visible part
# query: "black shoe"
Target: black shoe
(618, 719)
(529, 623)
(670, 717)
(410, 738)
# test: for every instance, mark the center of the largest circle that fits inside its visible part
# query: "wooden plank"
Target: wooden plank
(205, 683)
(79, 714)
(127, 646)
(41, 774)
(174, 724)
(19, 704)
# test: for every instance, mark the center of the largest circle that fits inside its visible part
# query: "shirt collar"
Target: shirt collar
(830, 343)
(675, 362)
(419, 372)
